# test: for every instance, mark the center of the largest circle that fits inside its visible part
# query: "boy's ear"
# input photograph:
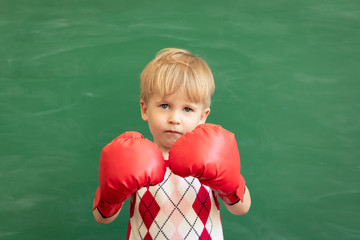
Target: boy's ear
(204, 115)
(143, 109)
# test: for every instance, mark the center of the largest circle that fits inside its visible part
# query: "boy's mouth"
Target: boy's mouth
(173, 132)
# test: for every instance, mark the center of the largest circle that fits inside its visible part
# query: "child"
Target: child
(174, 181)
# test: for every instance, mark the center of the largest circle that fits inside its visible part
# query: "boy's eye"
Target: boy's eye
(187, 109)
(164, 106)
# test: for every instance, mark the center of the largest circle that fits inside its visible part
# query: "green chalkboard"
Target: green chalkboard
(287, 84)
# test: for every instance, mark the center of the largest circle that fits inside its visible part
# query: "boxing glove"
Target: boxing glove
(127, 164)
(210, 153)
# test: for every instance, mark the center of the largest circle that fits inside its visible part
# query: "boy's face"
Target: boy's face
(171, 116)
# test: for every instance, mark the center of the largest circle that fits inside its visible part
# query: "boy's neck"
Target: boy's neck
(166, 155)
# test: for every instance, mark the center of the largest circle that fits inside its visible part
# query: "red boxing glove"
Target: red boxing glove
(210, 153)
(127, 164)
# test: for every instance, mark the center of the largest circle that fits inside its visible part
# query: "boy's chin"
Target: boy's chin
(172, 138)
(166, 144)
(170, 143)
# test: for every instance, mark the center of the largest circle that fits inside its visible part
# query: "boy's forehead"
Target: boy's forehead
(176, 96)
(168, 96)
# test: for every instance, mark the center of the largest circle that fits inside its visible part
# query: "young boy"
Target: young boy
(174, 181)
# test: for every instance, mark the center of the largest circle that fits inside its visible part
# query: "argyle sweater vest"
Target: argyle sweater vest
(178, 208)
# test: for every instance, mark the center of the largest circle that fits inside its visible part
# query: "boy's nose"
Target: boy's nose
(174, 118)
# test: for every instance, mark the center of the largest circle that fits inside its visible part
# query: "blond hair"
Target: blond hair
(174, 70)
